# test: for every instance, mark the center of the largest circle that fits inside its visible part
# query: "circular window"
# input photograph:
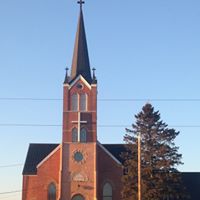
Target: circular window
(79, 86)
(78, 197)
(78, 156)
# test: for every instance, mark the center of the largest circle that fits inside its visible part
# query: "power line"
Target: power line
(103, 99)
(11, 165)
(55, 125)
(19, 191)
(149, 99)
(29, 99)
(10, 192)
(32, 125)
(10, 196)
(16, 165)
(100, 126)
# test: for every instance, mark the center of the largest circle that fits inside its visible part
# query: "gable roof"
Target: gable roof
(191, 180)
(116, 150)
(36, 153)
(117, 160)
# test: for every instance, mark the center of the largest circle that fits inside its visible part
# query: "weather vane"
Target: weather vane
(81, 2)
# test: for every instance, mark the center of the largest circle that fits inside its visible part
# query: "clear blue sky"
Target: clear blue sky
(141, 50)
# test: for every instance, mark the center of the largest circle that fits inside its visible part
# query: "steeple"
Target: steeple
(80, 62)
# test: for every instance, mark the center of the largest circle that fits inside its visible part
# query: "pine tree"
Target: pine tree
(159, 159)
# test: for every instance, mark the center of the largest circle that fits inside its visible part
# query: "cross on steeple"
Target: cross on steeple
(81, 2)
(79, 122)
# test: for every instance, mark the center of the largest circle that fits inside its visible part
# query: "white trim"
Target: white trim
(82, 79)
(66, 84)
(79, 126)
(115, 159)
(46, 158)
(79, 122)
(30, 175)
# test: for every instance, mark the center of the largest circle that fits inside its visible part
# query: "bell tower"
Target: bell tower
(80, 93)
(79, 137)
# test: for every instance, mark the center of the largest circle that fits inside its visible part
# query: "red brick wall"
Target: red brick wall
(87, 168)
(89, 116)
(108, 171)
(69, 167)
(35, 187)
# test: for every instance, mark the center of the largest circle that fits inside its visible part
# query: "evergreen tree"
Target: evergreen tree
(159, 159)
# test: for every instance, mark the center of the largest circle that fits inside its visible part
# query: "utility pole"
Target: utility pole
(139, 166)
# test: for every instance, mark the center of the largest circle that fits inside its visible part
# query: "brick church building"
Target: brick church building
(80, 167)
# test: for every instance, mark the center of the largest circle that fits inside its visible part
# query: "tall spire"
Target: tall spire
(80, 62)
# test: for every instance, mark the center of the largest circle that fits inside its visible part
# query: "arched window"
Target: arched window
(107, 191)
(83, 102)
(52, 192)
(83, 135)
(74, 135)
(74, 102)
(78, 197)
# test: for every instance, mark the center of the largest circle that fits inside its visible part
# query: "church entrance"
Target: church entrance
(78, 197)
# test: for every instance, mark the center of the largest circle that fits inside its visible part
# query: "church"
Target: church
(80, 167)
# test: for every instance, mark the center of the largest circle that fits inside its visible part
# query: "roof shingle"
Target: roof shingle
(36, 153)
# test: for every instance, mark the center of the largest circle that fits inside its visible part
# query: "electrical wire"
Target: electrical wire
(11, 165)
(102, 99)
(100, 126)
(10, 192)
(10, 196)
